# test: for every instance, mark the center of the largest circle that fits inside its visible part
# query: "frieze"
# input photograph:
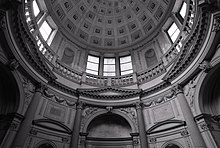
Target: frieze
(109, 93)
(160, 100)
(58, 99)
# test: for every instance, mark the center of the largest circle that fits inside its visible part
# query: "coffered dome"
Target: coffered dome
(109, 24)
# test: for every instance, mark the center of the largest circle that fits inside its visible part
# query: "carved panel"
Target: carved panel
(55, 111)
(163, 112)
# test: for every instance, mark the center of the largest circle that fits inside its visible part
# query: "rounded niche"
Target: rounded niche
(209, 92)
(109, 125)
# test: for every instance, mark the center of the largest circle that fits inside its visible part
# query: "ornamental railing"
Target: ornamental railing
(130, 79)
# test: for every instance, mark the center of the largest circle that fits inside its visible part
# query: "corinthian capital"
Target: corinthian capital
(40, 88)
(177, 89)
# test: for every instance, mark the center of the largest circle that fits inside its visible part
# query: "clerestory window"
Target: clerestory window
(173, 32)
(125, 65)
(109, 67)
(92, 66)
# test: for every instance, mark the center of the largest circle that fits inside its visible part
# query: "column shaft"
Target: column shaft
(76, 127)
(141, 127)
(193, 129)
(29, 117)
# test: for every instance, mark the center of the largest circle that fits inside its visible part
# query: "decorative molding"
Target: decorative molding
(177, 89)
(131, 113)
(109, 93)
(43, 122)
(184, 133)
(205, 66)
(13, 64)
(216, 26)
(153, 130)
(58, 99)
(161, 100)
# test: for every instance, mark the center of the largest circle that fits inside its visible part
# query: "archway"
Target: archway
(209, 101)
(109, 130)
(209, 94)
(9, 99)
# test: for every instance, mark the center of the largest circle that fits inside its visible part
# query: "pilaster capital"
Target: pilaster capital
(13, 64)
(177, 89)
(138, 105)
(80, 105)
(205, 66)
(40, 88)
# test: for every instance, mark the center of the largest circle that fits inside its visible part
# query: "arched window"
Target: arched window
(68, 56)
(150, 57)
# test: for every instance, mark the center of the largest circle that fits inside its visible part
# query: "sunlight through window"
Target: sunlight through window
(173, 32)
(35, 8)
(45, 30)
(92, 65)
(126, 65)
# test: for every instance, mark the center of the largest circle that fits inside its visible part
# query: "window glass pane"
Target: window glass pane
(93, 59)
(172, 29)
(92, 66)
(45, 30)
(126, 72)
(125, 59)
(173, 32)
(92, 72)
(36, 8)
(183, 10)
(109, 74)
(175, 35)
(126, 66)
(109, 60)
(109, 68)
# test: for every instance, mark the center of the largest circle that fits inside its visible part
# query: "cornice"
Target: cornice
(106, 93)
(26, 44)
(192, 47)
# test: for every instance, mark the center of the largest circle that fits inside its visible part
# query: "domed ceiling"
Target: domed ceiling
(109, 24)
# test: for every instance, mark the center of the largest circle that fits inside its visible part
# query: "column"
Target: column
(29, 117)
(193, 129)
(76, 126)
(14, 126)
(141, 126)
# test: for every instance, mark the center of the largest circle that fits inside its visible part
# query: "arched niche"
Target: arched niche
(209, 94)
(45, 144)
(68, 56)
(150, 57)
(172, 144)
(109, 125)
(9, 99)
